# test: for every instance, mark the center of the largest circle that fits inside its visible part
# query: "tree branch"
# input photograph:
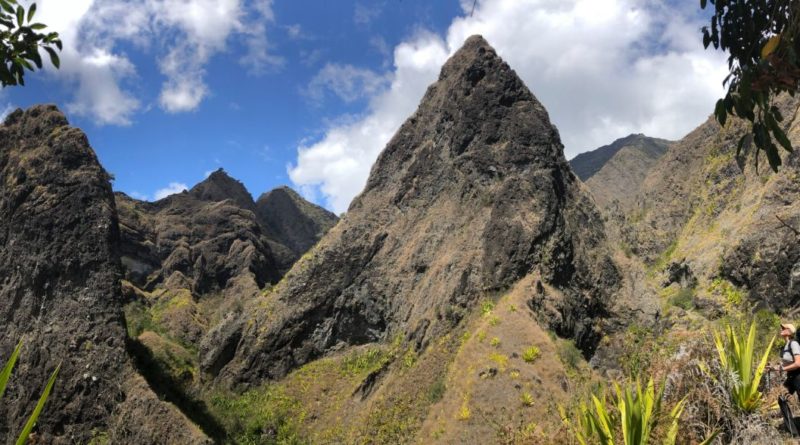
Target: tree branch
(783, 223)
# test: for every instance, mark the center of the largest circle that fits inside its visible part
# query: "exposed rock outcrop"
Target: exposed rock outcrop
(60, 293)
(589, 163)
(194, 242)
(615, 172)
(704, 208)
(471, 194)
(292, 221)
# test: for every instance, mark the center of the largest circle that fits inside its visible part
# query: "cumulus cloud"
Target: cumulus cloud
(602, 68)
(338, 165)
(183, 35)
(347, 82)
(171, 189)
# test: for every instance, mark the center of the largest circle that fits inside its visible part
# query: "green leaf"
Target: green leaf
(740, 145)
(22, 62)
(6, 373)
(773, 157)
(720, 113)
(7, 6)
(770, 46)
(38, 26)
(23, 437)
(37, 59)
(703, 4)
(780, 136)
(31, 12)
(53, 56)
(710, 438)
(20, 15)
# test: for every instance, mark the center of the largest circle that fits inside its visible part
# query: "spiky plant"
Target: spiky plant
(737, 355)
(5, 375)
(635, 412)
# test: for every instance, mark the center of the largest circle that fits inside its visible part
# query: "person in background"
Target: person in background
(790, 358)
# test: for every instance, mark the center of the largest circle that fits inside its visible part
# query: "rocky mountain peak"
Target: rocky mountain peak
(60, 293)
(471, 194)
(219, 186)
(291, 220)
(589, 163)
(478, 120)
(282, 192)
(37, 120)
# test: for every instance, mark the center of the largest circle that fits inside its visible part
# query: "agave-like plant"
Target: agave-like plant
(595, 422)
(640, 411)
(635, 412)
(5, 375)
(737, 358)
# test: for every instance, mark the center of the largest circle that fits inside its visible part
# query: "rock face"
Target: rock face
(619, 177)
(291, 220)
(471, 194)
(722, 218)
(588, 164)
(205, 237)
(60, 293)
(199, 239)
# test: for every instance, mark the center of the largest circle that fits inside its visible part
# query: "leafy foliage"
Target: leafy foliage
(5, 375)
(20, 41)
(761, 39)
(531, 354)
(635, 413)
(737, 359)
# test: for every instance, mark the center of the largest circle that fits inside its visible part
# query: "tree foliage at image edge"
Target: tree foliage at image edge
(20, 41)
(760, 37)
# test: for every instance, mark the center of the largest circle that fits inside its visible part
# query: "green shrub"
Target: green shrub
(733, 295)
(527, 398)
(500, 359)
(486, 308)
(684, 299)
(569, 354)
(531, 354)
(437, 390)
(248, 415)
(358, 362)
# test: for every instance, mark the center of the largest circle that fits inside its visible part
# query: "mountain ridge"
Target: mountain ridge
(587, 164)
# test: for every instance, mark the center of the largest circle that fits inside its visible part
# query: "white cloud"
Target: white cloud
(347, 82)
(139, 196)
(5, 110)
(295, 32)
(171, 189)
(339, 164)
(182, 34)
(379, 44)
(366, 13)
(602, 68)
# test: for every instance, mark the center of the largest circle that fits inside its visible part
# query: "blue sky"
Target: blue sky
(306, 93)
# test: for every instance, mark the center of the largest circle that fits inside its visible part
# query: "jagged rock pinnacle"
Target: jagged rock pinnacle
(470, 195)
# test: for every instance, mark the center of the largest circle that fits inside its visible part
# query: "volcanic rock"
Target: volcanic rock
(60, 293)
(471, 194)
(291, 220)
(615, 172)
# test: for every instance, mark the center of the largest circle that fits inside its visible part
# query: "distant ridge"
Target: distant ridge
(586, 164)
